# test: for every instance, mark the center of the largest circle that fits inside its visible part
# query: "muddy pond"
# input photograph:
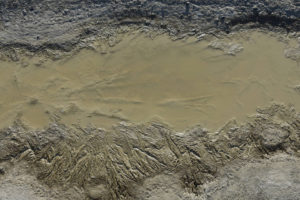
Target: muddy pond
(181, 83)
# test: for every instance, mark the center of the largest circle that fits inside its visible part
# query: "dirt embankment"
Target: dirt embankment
(65, 25)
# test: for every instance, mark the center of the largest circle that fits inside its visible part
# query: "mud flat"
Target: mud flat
(120, 122)
(180, 83)
(148, 100)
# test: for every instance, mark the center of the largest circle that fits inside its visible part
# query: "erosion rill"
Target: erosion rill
(149, 100)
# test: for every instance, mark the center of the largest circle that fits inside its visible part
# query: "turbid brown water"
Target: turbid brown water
(181, 83)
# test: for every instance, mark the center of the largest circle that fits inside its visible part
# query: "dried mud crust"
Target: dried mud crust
(141, 161)
(68, 24)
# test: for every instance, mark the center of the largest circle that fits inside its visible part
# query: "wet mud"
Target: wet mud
(53, 27)
(148, 100)
(152, 161)
(179, 83)
(120, 122)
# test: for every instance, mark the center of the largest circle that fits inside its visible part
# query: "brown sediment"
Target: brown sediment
(181, 83)
(146, 93)
(151, 161)
(95, 109)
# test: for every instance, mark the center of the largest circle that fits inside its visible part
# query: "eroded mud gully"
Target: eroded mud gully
(149, 100)
(151, 161)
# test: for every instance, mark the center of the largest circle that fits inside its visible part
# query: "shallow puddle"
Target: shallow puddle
(181, 83)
